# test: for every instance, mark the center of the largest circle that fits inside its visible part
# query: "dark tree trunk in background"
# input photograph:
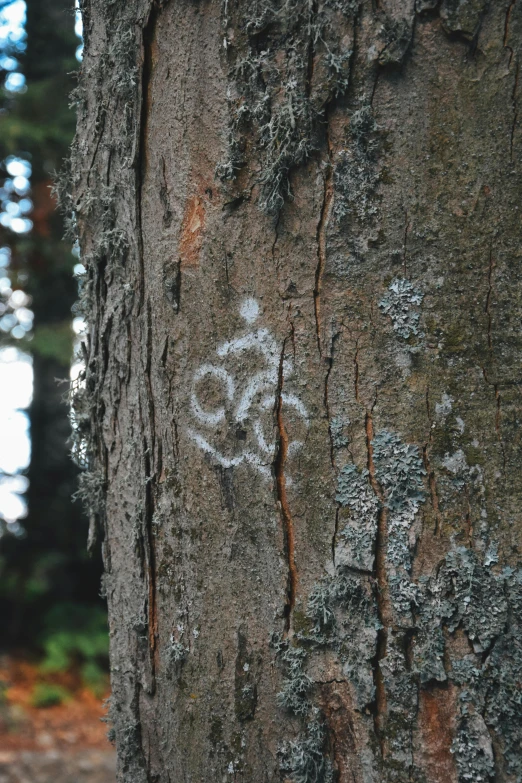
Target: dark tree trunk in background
(49, 566)
(301, 226)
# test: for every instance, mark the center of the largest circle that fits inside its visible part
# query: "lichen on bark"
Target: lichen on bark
(381, 555)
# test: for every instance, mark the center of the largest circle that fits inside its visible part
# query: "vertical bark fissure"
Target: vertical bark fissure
(274, 243)
(432, 484)
(330, 361)
(515, 111)
(149, 495)
(405, 240)
(148, 442)
(506, 31)
(101, 132)
(383, 598)
(332, 448)
(356, 371)
(507, 21)
(141, 168)
(322, 227)
(286, 515)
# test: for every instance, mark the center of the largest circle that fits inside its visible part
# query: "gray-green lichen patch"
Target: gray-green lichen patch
(279, 92)
(355, 545)
(467, 594)
(356, 172)
(490, 696)
(304, 760)
(472, 749)
(399, 470)
(342, 610)
(297, 684)
(337, 426)
(341, 618)
(400, 304)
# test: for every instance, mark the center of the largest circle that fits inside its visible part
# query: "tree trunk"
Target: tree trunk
(48, 565)
(300, 221)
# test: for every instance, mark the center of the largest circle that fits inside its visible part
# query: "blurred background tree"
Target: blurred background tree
(48, 584)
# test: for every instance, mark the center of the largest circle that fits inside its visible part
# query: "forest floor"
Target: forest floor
(62, 743)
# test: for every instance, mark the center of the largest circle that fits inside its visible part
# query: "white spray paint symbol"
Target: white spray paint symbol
(246, 405)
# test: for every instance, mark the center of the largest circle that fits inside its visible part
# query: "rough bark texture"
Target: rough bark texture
(300, 222)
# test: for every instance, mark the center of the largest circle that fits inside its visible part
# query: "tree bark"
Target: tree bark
(301, 227)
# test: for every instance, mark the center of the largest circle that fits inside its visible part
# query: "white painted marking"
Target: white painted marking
(260, 435)
(250, 310)
(247, 407)
(257, 384)
(204, 445)
(261, 341)
(207, 417)
(295, 402)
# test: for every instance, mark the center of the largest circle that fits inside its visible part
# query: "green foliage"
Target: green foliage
(77, 634)
(95, 677)
(3, 693)
(49, 695)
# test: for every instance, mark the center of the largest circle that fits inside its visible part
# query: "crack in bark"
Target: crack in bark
(356, 371)
(383, 598)
(321, 238)
(515, 111)
(336, 531)
(288, 524)
(432, 484)
(274, 243)
(150, 473)
(332, 451)
(326, 402)
(506, 31)
(146, 74)
(149, 451)
(97, 145)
